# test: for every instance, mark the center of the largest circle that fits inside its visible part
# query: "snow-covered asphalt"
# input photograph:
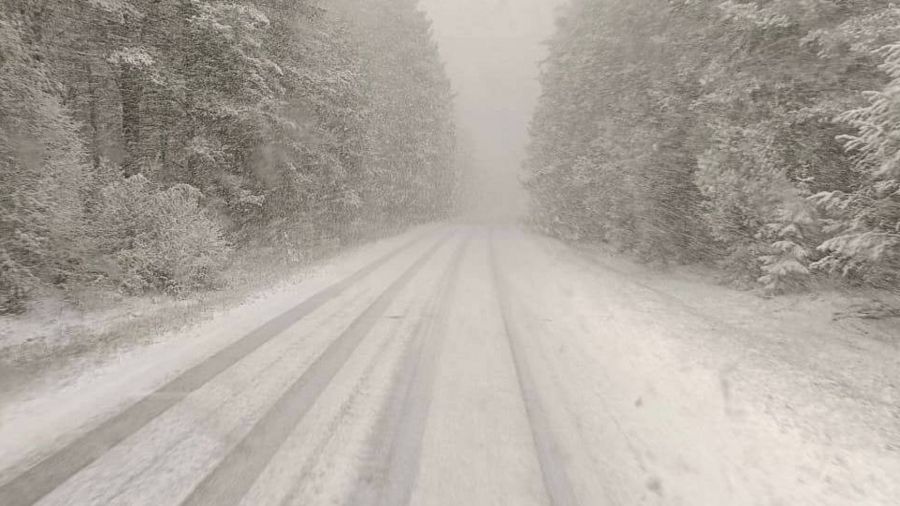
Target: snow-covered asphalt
(468, 366)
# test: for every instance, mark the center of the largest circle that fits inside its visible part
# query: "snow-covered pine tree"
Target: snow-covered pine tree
(409, 126)
(786, 267)
(866, 219)
(686, 130)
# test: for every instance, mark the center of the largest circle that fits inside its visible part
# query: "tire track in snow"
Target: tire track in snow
(344, 412)
(405, 341)
(42, 478)
(233, 477)
(553, 466)
(178, 435)
(560, 375)
(397, 441)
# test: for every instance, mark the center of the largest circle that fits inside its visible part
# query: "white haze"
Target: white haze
(492, 50)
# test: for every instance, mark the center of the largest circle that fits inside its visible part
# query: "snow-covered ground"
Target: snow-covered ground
(55, 407)
(485, 366)
(677, 391)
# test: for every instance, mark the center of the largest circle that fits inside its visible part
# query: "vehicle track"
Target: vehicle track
(306, 475)
(45, 476)
(396, 444)
(233, 476)
(175, 437)
(550, 456)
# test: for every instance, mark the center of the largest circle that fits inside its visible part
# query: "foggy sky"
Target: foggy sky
(492, 49)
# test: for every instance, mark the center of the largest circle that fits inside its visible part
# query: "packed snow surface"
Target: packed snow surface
(477, 365)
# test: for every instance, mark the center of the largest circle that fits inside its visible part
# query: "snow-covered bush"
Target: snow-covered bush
(160, 239)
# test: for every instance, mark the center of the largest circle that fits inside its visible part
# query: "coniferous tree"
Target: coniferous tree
(143, 140)
(696, 130)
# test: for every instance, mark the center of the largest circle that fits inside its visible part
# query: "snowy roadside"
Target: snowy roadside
(97, 378)
(104, 322)
(808, 336)
(772, 400)
(841, 309)
(814, 333)
(53, 332)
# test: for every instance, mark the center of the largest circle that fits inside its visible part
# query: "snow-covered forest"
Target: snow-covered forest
(760, 136)
(144, 142)
(449, 252)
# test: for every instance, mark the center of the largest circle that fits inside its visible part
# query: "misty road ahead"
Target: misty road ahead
(471, 365)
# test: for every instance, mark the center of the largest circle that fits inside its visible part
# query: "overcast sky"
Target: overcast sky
(492, 49)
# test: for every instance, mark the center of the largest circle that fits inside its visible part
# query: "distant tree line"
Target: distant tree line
(762, 135)
(143, 141)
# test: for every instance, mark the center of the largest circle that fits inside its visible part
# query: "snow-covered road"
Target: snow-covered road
(478, 366)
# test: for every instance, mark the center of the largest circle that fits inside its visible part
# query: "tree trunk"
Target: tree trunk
(131, 90)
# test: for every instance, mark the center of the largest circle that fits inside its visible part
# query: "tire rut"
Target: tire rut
(397, 441)
(46, 475)
(550, 457)
(233, 476)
